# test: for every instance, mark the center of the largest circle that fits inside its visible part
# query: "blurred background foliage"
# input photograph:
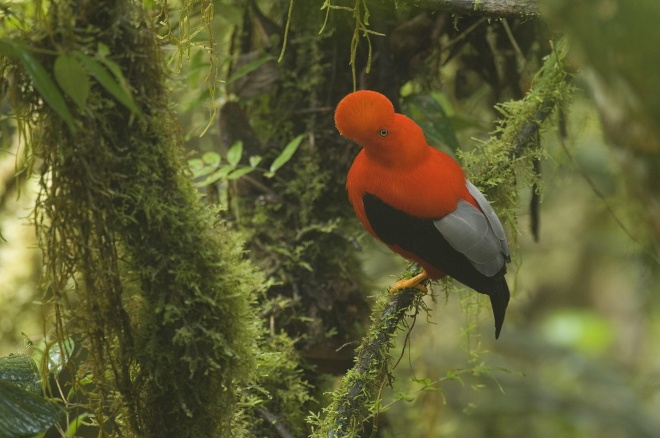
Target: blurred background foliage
(578, 356)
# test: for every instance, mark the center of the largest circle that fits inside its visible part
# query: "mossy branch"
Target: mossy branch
(509, 158)
(495, 8)
(350, 408)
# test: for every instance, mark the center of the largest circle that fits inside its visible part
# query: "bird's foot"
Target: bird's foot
(408, 283)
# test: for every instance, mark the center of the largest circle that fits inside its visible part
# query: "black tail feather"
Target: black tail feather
(499, 300)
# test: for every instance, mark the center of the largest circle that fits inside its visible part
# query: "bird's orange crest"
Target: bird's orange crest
(361, 115)
(368, 118)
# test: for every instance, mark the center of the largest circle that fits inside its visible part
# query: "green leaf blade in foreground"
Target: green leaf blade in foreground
(21, 370)
(40, 78)
(286, 154)
(107, 81)
(24, 414)
(72, 78)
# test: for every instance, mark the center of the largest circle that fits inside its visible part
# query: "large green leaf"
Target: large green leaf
(23, 414)
(428, 112)
(21, 370)
(72, 78)
(40, 78)
(109, 81)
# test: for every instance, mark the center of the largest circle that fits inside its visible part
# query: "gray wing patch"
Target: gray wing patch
(492, 218)
(479, 235)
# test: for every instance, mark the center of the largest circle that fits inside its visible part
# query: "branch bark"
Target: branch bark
(495, 8)
(350, 409)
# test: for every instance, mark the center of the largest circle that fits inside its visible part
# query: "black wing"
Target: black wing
(422, 238)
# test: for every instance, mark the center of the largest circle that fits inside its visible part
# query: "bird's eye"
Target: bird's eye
(383, 132)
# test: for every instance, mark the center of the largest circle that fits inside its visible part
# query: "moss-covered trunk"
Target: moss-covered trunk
(158, 294)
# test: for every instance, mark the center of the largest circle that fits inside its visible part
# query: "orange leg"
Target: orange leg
(411, 283)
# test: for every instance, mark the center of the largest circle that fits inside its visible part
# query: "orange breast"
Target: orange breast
(429, 189)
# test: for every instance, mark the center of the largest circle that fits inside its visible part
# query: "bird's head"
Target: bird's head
(368, 118)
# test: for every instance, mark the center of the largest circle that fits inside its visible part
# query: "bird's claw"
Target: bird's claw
(409, 283)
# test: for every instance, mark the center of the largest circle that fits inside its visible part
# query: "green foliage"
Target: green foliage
(40, 78)
(23, 412)
(20, 370)
(158, 292)
(53, 356)
(211, 164)
(114, 83)
(361, 15)
(358, 398)
(504, 163)
(277, 396)
(71, 74)
(72, 79)
(285, 156)
(429, 113)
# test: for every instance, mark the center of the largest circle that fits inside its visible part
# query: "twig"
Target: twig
(529, 131)
(274, 421)
(599, 194)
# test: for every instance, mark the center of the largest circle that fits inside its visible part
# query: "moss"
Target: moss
(159, 293)
(357, 399)
(504, 164)
(295, 232)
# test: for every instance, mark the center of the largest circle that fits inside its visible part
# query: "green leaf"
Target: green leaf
(21, 370)
(40, 78)
(195, 164)
(428, 112)
(255, 160)
(215, 176)
(102, 50)
(24, 414)
(76, 423)
(7, 48)
(249, 67)
(59, 354)
(202, 171)
(286, 154)
(72, 78)
(240, 172)
(211, 158)
(235, 153)
(107, 81)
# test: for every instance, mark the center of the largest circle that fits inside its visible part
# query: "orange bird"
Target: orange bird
(417, 200)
